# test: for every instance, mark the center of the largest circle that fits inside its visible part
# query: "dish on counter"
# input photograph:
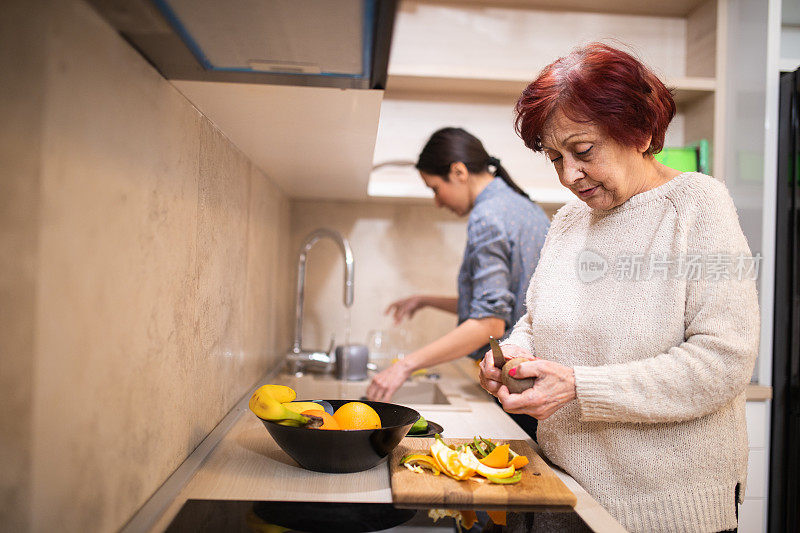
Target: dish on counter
(433, 429)
(343, 451)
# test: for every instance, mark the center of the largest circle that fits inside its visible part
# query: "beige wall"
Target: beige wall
(21, 99)
(143, 280)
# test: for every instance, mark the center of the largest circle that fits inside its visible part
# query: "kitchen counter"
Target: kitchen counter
(247, 464)
(240, 461)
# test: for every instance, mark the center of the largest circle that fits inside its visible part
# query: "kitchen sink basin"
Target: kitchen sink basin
(424, 392)
(414, 392)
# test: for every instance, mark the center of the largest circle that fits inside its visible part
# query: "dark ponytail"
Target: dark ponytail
(452, 145)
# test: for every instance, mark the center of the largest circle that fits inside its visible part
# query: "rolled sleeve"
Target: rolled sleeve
(490, 269)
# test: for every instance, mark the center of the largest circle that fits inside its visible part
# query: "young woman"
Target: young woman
(505, 232)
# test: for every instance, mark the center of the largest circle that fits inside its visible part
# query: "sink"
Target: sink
(423, 392)
(414, 392)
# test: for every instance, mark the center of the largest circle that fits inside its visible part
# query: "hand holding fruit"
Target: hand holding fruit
(553, 387)
(491, 377)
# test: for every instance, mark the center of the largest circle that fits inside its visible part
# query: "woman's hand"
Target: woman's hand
(491, 376)
(554, 386)
(384, 384)
(405, 308)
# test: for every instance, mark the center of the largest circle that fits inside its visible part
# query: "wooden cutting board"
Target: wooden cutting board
(413, 489)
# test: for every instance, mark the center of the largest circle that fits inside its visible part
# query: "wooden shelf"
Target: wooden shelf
(437, 78)
(508, 85)
(404, 182)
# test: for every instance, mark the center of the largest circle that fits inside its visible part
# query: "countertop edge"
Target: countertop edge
(159, 506)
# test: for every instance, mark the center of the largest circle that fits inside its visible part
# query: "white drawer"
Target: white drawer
(757, 414)
(752, 517)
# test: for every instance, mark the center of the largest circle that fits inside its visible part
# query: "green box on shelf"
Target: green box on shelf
(692, 158)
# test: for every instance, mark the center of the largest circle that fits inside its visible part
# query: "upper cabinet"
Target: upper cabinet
(297, 86)
(465, 63)
(318, 43)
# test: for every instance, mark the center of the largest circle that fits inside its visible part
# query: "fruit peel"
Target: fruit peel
(497, 458)
(422, 461)
(519, 462)
(498, 517)
(468, 458)
(462, 463)
(449, 460)
(516, 460)
(506, 480)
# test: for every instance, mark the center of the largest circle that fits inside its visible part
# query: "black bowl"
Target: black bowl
(350, 450)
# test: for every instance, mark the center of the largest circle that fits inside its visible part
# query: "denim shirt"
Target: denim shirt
(505, 234)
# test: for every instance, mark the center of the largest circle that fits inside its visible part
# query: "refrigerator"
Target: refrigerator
(784, 484)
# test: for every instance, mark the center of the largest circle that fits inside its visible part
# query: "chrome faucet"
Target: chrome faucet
(299, 359)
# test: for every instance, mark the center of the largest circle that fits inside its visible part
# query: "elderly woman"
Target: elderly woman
(642, 319)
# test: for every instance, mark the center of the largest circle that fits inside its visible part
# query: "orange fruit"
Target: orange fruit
(357, 415)
(328, 422)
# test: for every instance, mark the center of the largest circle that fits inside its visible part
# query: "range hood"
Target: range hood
(319, 43)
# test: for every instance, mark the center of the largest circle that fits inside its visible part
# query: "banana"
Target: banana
(291, 423)
(268, 408)
(282, 393)
(299, 407)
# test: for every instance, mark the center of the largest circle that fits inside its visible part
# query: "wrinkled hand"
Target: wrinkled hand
(554, 386)
(491, 376)
(385, 383)
(405, 308)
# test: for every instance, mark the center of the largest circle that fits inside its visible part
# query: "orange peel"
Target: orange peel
(468, 459)
(497, 458)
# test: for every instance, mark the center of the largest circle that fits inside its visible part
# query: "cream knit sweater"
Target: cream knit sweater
(662, 342)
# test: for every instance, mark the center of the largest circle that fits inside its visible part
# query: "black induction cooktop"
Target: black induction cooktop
(313, 517)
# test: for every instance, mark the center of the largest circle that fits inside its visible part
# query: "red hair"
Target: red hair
(600, 84)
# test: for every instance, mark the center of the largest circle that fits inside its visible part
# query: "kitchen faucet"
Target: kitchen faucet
(298, 358)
